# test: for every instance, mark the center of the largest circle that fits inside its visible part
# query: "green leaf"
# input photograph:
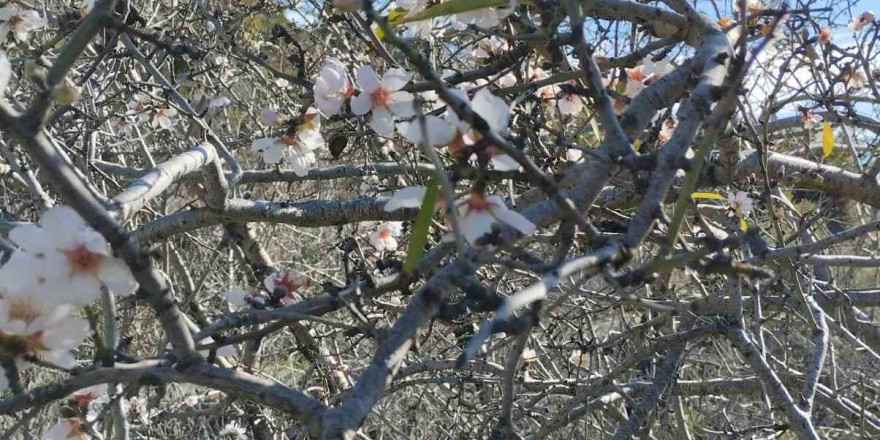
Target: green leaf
(419, 235)
(827, 139)
(396, 17)
(707, 195)
(453, 7)
(380, 33)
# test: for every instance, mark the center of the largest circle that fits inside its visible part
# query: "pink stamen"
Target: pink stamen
(83, 261)
(380, 97)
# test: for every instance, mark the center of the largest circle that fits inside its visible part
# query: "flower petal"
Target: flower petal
(269, 282)
(390, 244)
(367, 79)
(274, 153)
(514, 219)
(236, 296)
(476, 225)
(569, 105)
(117, 276)
(493, 109)
(92, 241)
(66, 335)
(361, 104)
(62, 223)
(330, 78)
(395, 79)
(409, 197)
(438, 130)
(301, 162)
(402, 104)
(329, 104)
(504, 162)
(24, 272)
(31, 238)
(382, 122)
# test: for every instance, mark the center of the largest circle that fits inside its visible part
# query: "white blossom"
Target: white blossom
(369, 185)
(506, 80)
(272, 149)
(143, 107)
(578, 358)
(140, 406)
(140, 106)
(861, 21)
(19, 23)
(854, 78)
(808, 119)
(233, 429)
(503, 162)
(288, 283)
(569, 104)
(493, 109)
(488, 48)
(642, 75)
(740, 203)
(384, 238)
(298, 149)
(545, 93)
(31, 325)
(123, 125)
(478, 212)
(332, 87)
(64, 253)
(382, 97)
(88, 395)
(192, 400)
(667, 128)
(496, 113)
(162, 117)
(752, 6)
(574, 154)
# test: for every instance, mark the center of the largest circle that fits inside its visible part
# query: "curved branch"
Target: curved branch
(157, 180)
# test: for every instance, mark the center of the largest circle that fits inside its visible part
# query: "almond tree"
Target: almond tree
(499, 219)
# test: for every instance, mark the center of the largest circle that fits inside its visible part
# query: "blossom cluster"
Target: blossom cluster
(391, 109)
(61, 264)
(282, 287)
